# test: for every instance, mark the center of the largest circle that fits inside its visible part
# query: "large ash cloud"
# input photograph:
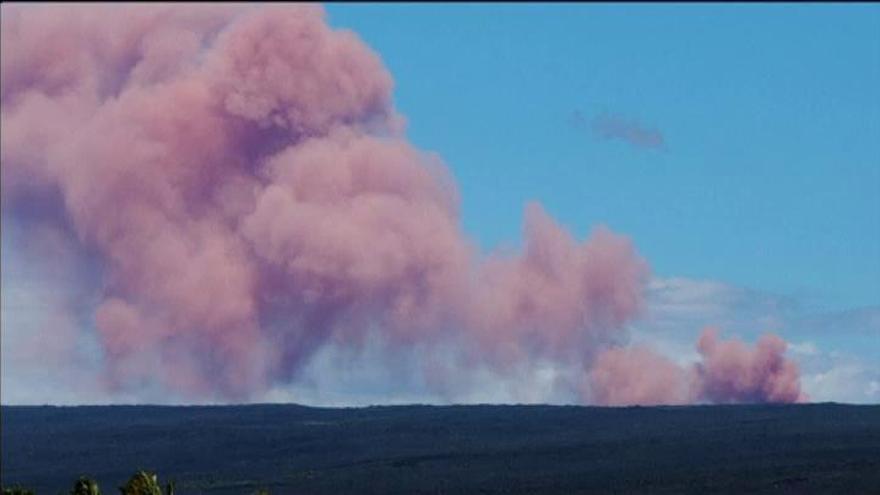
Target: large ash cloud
(244, 183)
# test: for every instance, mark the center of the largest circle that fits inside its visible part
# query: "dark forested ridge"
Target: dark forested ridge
(290, 449)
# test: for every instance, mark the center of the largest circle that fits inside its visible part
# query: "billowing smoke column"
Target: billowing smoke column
(728, 372)
(246, 186)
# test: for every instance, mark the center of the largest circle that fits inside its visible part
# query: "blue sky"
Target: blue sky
(770, 178)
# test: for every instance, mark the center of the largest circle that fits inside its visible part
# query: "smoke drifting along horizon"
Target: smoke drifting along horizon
(245, 187)
(727, 372)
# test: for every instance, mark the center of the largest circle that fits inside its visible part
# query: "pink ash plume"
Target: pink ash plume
(728, 372)
(245, 183)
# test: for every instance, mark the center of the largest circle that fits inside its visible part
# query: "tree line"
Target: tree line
(141, 483)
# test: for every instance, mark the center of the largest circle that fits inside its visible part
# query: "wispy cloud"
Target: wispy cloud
(612, 126)
(840, 377)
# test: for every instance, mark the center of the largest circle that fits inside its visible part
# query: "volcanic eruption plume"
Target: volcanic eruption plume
(728, 372)
(246, 187)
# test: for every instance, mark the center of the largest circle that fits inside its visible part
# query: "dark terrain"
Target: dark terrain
(289, 449)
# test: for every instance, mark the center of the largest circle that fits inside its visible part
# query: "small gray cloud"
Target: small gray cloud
(611, 126)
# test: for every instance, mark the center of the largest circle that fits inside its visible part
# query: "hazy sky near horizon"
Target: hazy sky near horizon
(737, 146)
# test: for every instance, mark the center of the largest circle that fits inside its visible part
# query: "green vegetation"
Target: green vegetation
(85, 486)
(141, 483)
(17, 490)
